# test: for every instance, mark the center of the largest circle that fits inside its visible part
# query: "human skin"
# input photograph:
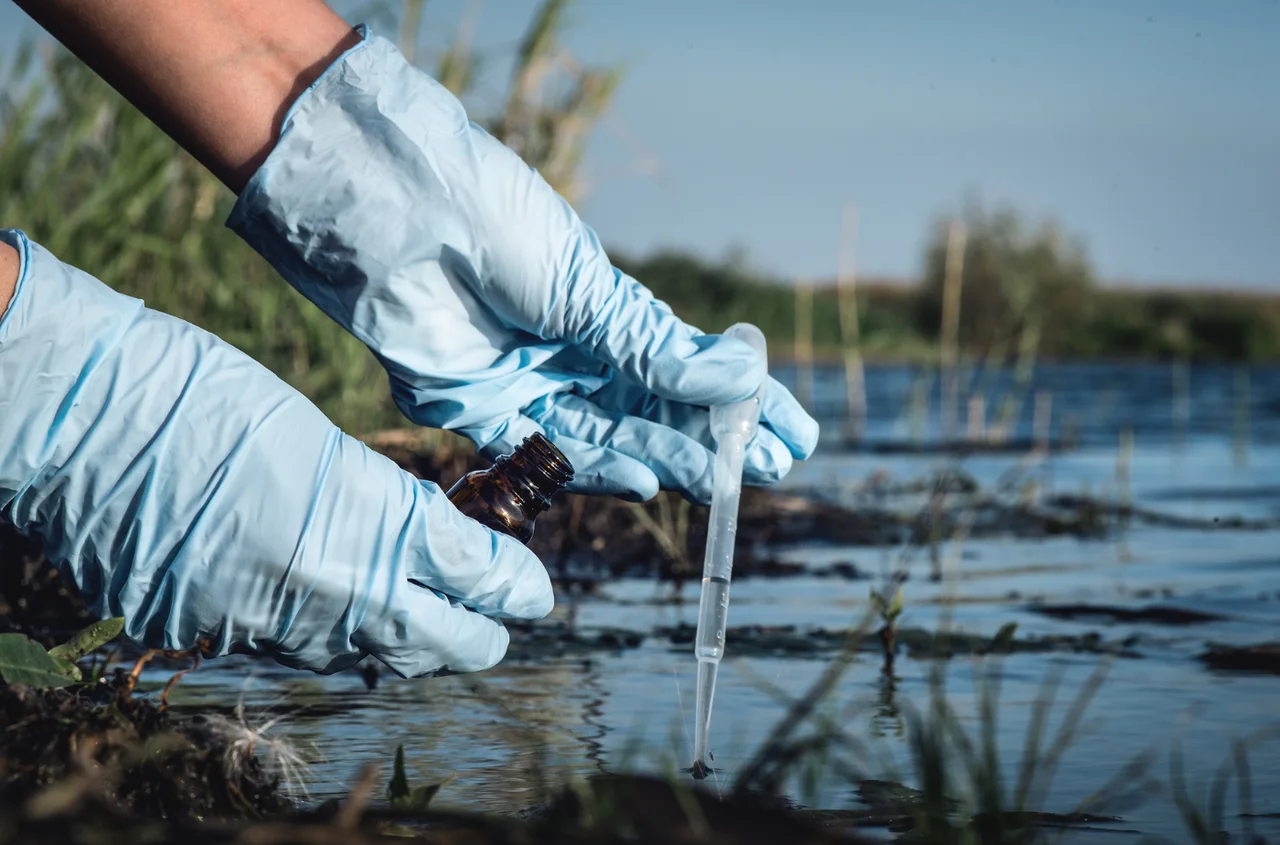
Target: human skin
(9, 264)
(217, 75)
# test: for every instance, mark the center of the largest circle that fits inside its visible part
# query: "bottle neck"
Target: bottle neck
(534, 472)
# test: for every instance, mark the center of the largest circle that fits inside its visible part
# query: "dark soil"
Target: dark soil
(898, 808)
(1264, 657)
(1135, 514)
(793, 641)
(554, 639)
(34, 599)
(1155, 614)
(60, 745)
(955, 448)
(606, 810)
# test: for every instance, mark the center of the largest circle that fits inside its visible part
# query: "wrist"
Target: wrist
(370, 205)
(282, 75)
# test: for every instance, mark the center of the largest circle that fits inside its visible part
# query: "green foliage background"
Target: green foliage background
(87, 176)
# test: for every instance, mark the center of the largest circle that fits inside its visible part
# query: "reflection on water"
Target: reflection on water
(887, 719)
(507, 732)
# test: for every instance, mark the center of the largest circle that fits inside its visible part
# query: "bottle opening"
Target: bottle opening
(542, 458)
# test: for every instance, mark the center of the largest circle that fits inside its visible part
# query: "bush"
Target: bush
(1015, 279)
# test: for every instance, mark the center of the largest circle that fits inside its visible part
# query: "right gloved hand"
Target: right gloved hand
(490, 302)
(184, 487)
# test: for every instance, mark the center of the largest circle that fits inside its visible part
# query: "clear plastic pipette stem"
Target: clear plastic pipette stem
(732, 426)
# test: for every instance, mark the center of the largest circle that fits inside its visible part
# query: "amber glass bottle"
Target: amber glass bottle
(509, 495)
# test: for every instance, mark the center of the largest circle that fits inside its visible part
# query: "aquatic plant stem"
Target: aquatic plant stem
(950, 334)
(850, 335)
(804, 342)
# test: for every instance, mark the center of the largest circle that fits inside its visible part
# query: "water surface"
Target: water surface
(1205, 443)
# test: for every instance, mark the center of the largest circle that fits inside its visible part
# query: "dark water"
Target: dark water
(1204, 443)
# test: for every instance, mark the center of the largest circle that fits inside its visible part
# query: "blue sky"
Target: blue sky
(1151, 128)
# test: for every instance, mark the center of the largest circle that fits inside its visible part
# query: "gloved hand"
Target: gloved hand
(492, 305)
(186, 488)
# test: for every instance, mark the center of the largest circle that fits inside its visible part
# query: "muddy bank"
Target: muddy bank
(958, 448)
(93, 763)
(554, 639)
(606, 810)
(1264, 658)
(1153, 615)
(900, 809)
(585, 541)
(793, 641)
(98, 742)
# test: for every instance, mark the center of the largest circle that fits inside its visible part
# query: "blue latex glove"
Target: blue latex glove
(185, 487)
(492, 305)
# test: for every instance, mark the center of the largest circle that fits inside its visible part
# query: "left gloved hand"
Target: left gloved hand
(492, 305)
(186, 488)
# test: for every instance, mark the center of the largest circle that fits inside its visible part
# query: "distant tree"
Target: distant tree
(1020, 284)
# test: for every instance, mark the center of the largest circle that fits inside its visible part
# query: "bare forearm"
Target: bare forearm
(216, 75)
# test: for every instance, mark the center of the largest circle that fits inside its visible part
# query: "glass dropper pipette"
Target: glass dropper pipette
(732, 425)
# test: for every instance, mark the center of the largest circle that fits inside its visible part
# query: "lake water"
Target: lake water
(1205, 443)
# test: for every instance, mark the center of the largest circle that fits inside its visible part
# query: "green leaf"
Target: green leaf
(401, 796)
(398, 789)
(419, 798)
(390, 829)
(895, 609)
(68, 668)
(24, 661)
(95, 636)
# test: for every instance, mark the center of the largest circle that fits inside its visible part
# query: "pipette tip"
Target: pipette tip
(699, 770)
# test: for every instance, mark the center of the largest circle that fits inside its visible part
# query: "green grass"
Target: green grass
(89, 178)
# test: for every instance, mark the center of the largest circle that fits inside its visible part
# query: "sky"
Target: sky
(1150, 129)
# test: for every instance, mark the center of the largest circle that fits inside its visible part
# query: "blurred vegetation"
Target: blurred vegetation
(714, 296)
(1012, 278)
(1037, 286)
(96, 183)
(84, 174)
(1024, 292)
